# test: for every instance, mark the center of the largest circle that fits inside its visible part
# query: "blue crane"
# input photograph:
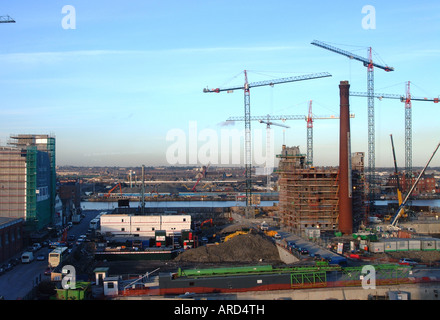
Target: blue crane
(247, 113)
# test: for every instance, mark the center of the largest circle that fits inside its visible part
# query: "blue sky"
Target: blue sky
(131, 71)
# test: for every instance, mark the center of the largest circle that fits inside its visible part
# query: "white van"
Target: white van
(374, 220)
(27, 257)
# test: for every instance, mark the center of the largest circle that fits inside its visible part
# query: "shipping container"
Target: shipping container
(377, 247)
(428, 244)
(404, 234)
(390, 246)
(414, 245)
(402, 245)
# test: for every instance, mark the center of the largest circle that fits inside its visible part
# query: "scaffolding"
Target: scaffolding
(12, 183)
(22, 172)
(309, 196)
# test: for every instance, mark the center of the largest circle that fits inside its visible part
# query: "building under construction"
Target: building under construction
(309, 196)
(327, 198)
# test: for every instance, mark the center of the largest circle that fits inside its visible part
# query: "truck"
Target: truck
(264, 226)
(374, 220)
(27, 257)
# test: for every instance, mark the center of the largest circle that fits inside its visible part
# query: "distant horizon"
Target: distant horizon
(224, 166)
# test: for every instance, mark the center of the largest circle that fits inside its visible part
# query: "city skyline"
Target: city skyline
(127, 75)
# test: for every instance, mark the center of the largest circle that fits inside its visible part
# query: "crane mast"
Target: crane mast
(308, 118)
(310, 136)
(247, 115)
(407, 99)
(370, 65)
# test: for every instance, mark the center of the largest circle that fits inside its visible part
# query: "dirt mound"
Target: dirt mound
(242, 248)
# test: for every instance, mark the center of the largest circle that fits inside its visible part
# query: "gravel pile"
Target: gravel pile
(242, 248)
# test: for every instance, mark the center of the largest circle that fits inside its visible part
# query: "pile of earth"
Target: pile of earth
(248, 247)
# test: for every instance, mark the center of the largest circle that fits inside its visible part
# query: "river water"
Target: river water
(430, 203)
(86, 205)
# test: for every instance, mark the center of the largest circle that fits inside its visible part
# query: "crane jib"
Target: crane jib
(350, 55)
(271, 82)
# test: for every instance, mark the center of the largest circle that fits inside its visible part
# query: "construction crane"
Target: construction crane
(310, 135)
(111, 190)
(407, 99)
(247, 123)
(200, 176)
(393, 224)
(268, 124)
(6, 19)
(369, 64)
(396, 174)
(308, 118)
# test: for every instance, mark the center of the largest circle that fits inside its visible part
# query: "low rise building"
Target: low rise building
(143, 226)
(11, 237)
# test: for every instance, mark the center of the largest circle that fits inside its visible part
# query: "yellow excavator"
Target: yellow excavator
(232, 235)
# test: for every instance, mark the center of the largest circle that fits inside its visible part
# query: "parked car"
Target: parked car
(277, 236)
(407, 262)
(317, 256)
(48, 271)
(304, 251)
(7, 266)
(41, 257)
(14, 261)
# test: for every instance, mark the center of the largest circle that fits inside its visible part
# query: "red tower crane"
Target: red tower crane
(202, 175)
(310, 118)
(407, 99)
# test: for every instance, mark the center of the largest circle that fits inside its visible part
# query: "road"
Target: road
(19, 281)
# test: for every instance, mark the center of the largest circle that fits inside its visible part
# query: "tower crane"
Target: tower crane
(407, 99)
(200, 176)
(308, 118)
(369, 64)
(247, 113)
(6, 19)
